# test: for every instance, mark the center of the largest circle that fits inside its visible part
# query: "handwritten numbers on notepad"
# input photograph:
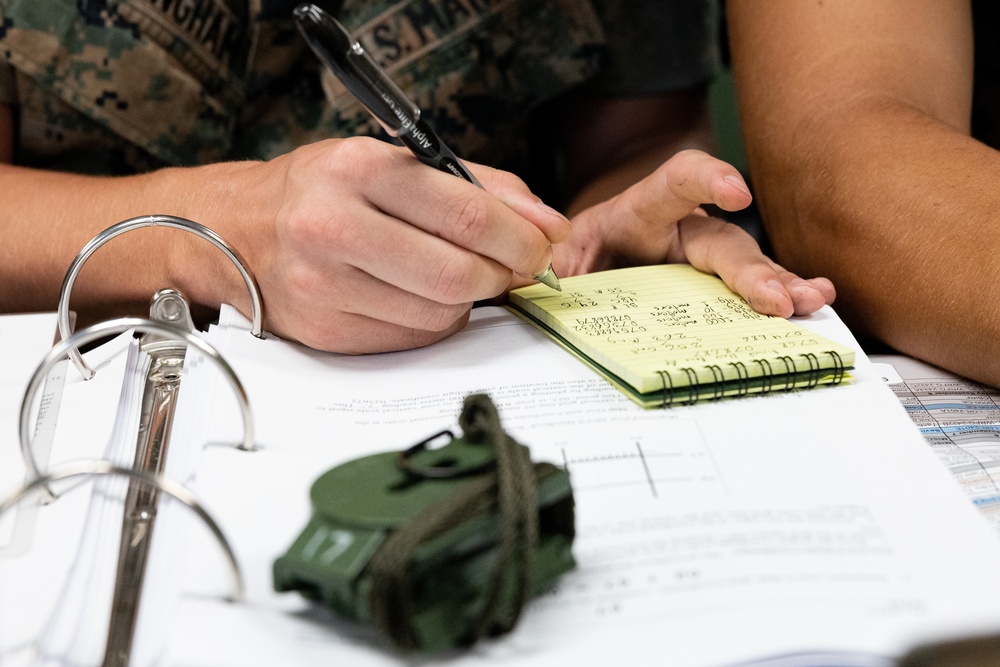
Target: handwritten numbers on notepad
(657, 328)
(602, 316)
(643, 331)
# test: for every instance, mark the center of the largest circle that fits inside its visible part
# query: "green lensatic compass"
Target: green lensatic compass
(437, 547)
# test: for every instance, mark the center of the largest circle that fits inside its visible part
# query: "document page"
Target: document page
(54, 588)
(959, 419)
(810, 523)
(27, 338)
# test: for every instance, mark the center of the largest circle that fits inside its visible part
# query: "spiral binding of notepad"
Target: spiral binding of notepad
(690, 388)
(166, 337)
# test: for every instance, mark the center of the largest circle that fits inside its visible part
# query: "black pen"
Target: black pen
(339, 51)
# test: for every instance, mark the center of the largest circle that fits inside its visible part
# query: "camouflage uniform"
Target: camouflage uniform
(121, 86)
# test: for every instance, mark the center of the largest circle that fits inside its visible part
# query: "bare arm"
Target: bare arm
(643, 174)
(856, 118)
(357, 246)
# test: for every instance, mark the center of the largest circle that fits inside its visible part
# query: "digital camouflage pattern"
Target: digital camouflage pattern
(119, 86)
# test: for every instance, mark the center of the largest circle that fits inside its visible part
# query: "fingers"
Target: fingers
(372, 250)
(511, 226)
(808, 295)
(513, 192)
(684, 182)
(393, 252)
(362, 315)
(716, 246)
(660, 219)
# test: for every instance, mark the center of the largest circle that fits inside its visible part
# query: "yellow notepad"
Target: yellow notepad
(672, 334)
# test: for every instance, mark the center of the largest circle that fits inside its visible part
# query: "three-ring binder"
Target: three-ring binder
(166, 337)
(170, 221)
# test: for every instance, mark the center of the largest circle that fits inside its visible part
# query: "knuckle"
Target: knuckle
(303, 225)
(345, 163)
(302, 280)
(506, 181)
(532, 256)
(438, 317)
(465, 217)
(310, 226)
(720, 227)
(688, 154)
(452, 280)
(345, 156)
(674, 164)
(733, 235)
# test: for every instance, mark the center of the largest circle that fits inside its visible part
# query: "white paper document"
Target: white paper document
(57, 568)
(959, 419)
(28, 337)
(805, 528)
(809, 524)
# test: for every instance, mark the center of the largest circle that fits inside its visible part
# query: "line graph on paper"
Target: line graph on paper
(662, 462)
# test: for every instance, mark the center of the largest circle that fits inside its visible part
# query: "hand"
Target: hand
(660, 219)
(358, 247)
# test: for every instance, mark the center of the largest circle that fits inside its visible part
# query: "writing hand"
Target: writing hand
(358, 247)
(660, 219)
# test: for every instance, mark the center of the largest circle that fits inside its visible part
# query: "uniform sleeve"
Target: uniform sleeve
(659, 45)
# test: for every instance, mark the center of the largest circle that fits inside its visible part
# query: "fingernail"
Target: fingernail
(549, 210)
(776, 286)
(737, 183)
(783, 305)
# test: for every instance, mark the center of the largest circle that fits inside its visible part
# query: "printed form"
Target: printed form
(958, 418)
(808, 523)
(811, 524)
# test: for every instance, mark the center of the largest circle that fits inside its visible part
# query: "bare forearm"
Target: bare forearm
(356, 246)
(899, 210)
(856, 118)
(47, 217)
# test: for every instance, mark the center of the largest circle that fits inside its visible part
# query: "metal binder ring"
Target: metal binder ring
(99, 467)
(257, 317)
(111, 328)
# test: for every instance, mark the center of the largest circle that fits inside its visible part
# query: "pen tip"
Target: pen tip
(548, 277)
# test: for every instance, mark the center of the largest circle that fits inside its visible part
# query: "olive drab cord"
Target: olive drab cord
(517, 503)
(511, 489)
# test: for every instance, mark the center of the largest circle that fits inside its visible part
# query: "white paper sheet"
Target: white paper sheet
(714, 534)
(959, 419)
(54, 587)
